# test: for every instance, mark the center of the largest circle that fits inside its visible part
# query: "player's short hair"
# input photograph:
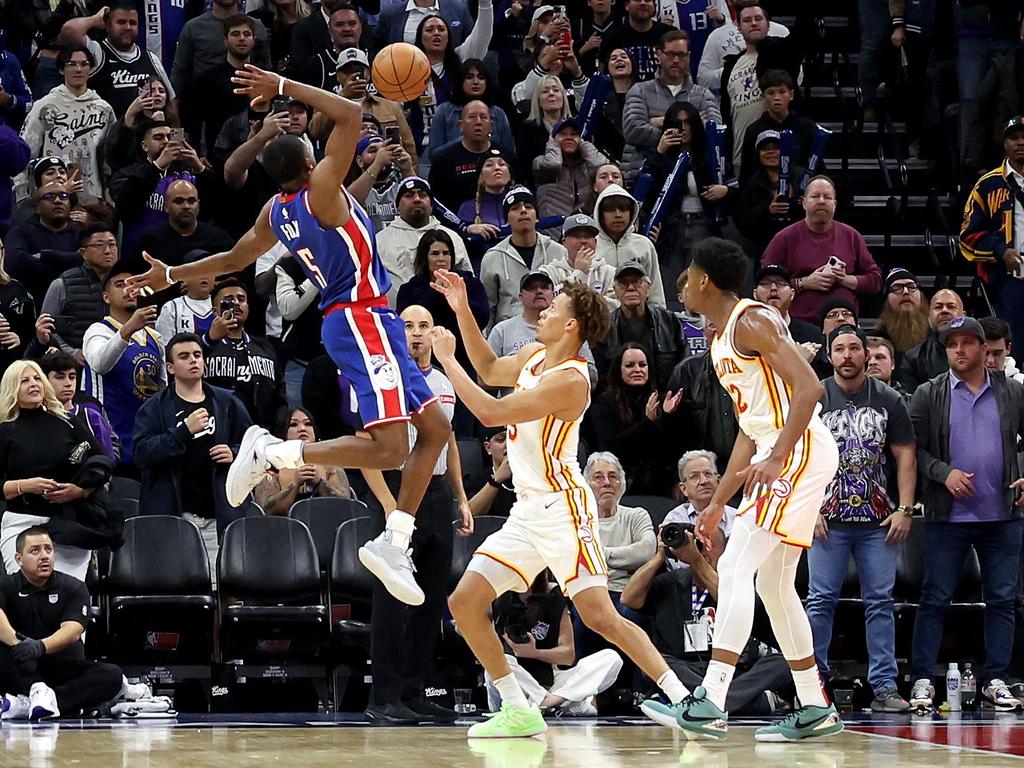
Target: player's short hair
(284, 159)
(180, 338)
(591, 312)
(775, 78)
(58, 360)
(996, 328)
(879, 341)
(723, 261)
(64, 56)
(35, 530)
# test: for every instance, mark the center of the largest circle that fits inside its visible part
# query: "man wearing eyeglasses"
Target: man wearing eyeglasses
(904, 319)
(643, 114)
(928, 359)
(828, 259)
(698, 480)
(74, 301)
(773, 286)
(40, 249)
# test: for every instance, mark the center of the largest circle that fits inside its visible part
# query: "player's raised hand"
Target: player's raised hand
(154, 278)
(259, 85)
(443, 342)
(453, 287)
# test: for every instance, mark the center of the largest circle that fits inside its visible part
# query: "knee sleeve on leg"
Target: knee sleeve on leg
(777, 589)
(748, 548)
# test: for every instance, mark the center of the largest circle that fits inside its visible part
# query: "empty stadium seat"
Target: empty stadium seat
(269, 583)
(161, 607)
(657, 506)
(323, 516)
(125, 488)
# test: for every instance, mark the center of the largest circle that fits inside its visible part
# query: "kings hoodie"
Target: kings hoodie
(69, 127)
(631, 246)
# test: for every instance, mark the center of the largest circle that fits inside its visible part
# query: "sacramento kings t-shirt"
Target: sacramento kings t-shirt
(745, 100)
(196, 484)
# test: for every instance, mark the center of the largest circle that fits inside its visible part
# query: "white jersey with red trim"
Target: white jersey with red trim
(543, 453)
(760, 396)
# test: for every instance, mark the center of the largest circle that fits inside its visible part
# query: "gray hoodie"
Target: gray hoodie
(601, 276)
(631, 246)
(502, 268)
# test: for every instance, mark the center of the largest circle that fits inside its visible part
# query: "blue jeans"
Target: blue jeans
(293, 373)
(876, 567)
(874, 36)
(973, 57)
(1007, 295)
(946, 544)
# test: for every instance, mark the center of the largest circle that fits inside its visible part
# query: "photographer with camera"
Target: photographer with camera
(239, 361)
(678, 587)
(536, 631)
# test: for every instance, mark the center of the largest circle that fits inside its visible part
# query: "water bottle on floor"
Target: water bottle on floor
(968, 688)
(953, 687)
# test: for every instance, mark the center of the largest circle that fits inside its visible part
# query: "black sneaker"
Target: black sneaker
(391, 714)
(428, 712)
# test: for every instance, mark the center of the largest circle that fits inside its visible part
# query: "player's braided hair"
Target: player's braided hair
(591, 312)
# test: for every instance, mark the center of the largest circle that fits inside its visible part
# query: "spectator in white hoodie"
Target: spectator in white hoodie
(69, 121)
(616, 212)
(582, 264)
(526, 249)
(397, 242)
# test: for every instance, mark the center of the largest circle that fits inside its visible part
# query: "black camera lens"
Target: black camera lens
(674, 535)
(517, 633)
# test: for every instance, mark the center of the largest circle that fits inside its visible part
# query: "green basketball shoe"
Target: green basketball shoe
(803, 723)
(510, 722)
(695, 714)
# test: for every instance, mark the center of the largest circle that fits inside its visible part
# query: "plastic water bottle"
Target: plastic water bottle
(953, 687)
(968, 687)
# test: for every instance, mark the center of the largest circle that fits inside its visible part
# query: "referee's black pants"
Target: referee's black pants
(80, 684)
(403, 637)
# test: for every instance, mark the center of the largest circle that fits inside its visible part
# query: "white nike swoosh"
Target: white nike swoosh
(21, 594)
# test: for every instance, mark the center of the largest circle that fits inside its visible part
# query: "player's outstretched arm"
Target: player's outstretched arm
(328, 176)
(247, 250)
(563, 394)
(493, 371)
(761, 331)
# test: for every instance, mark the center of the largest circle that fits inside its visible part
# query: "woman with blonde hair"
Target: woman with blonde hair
(50, 464)
(549, 105)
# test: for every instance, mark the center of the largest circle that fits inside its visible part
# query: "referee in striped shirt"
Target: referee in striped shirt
(403, 637)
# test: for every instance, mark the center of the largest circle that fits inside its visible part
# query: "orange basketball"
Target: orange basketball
(400, 72)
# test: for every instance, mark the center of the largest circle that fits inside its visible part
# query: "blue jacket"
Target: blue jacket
(14, 156)
(391, 22)
(160, 445)
(13, 81)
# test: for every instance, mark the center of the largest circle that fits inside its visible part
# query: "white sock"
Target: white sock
(808, 687)
(511, 693)
(716, 683)
(400, 525)
(672, 687)
(285, 455)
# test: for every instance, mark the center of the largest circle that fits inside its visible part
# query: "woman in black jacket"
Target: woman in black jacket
(50, 465)
(761, 212)
(626, 420)
(17, 316)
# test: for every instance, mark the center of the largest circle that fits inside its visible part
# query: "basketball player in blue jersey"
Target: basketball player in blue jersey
(332, 238)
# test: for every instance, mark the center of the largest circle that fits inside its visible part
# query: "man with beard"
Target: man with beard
(182, 232)
(871, 425)
(773, 286)
(397, 242)
(202, 45)
(212, 98)
(383, 165)
(928, 359)
(904, 319)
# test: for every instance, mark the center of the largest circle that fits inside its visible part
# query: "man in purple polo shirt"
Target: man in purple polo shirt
(971, 489)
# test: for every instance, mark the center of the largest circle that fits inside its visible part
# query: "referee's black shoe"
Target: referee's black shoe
(428, 712)
(391, 714)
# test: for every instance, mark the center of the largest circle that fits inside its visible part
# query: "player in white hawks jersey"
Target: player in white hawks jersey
(784, 457)
(553, 523)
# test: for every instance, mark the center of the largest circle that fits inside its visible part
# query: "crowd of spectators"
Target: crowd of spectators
(119, 138)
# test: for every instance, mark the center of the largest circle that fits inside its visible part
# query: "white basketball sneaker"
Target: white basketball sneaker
(250, 465)
(42, 702)
(393, 566)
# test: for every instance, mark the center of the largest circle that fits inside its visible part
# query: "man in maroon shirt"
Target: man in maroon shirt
(828, 259)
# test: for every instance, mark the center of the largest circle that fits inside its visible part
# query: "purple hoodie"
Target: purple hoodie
(14, 156)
